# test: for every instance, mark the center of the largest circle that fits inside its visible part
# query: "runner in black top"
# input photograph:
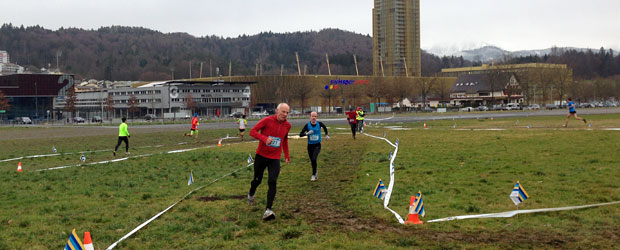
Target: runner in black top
(313, 130)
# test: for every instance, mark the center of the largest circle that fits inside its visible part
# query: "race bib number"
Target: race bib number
(351, 120)
(314, 137)
(275, 142)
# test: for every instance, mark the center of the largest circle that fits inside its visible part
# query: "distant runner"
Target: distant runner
(360, 119)
(242, 124)
(313, 130)
(123, 136)
(351, 118)
(194, 130)
(572, 112)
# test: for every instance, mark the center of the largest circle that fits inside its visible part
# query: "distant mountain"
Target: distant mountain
(488, 53)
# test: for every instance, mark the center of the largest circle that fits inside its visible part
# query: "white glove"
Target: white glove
(327, 137)
(310, 132)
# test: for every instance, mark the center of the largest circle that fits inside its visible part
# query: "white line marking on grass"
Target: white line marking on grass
(515, 212)
(165, 210)
(386, 200)
(611, 129)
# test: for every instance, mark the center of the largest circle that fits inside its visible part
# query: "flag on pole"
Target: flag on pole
(383, 133)
(380, 190)
(191, 178)
(54, 148)
(250, 159)
(418, 205)
(83, 158)
(396, 141)
(518, 194)
(74, 242)
(390, 156)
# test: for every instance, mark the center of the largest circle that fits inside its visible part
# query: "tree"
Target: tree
(4, 103)
(328, 93)
(133, 105)
(301, 91)
(190, 104)
(424, 85)
(109, 105)
(70, 101)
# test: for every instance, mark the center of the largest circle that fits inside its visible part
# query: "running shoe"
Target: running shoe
(584, 121)
(251, 199)
(114, 152)
(269, 215)
(127, 153)
(313, 178)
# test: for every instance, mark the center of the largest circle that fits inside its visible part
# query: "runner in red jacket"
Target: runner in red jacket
(352, 119)
(272, 132)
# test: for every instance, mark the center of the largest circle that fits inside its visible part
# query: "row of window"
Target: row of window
(141, 92)
(214, 90)
(139, 101)
(467, 84)
(213, 100)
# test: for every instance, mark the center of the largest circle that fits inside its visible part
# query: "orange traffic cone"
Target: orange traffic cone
(19, 166)
(88, 242)
(425, 125)
(219, 143)
(413, 217)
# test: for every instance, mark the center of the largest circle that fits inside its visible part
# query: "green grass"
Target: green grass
(459, 171)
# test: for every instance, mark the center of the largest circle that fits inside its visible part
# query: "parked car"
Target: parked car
(482, 108)
(235, 114)
(534, 107)
(23, 120)
(513, 106)
(96, 119)
(150, 117)
(257, 113)
(551, 106)
(78, 119)
(467, 109)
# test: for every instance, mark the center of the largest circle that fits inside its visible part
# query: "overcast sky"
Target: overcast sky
(511, 25)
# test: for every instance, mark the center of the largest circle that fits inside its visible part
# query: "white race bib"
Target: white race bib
(275, 142)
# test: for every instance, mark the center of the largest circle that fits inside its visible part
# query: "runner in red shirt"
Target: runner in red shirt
(194, 130)
(352, 119)
(272, 132)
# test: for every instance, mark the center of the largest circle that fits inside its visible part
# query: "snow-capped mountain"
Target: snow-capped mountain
(488, 53)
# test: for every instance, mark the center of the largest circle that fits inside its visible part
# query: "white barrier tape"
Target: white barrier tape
(70, 153)
(165, 210)
(386, 200)
(136, 156)
(515, 212)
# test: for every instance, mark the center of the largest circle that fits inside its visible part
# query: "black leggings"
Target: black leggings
(353, 128)
(122, 139)
(273, 169)
(313, 153)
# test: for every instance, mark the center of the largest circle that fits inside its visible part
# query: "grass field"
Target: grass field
(462, 170)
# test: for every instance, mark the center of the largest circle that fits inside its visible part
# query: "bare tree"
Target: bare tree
(70, 101)
(442, 90)
(376, 89)
(424, 85)
(301, 91)
(190, 104)
(327, 94)
(109, 106)
(133, 105)
(4, 103)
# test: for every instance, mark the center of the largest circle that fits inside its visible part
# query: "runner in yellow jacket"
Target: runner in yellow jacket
(123, 136)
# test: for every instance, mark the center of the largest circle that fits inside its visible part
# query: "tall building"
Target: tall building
(4, 57)
(396, 38)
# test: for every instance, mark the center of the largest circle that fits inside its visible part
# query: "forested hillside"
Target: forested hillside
(135, 53)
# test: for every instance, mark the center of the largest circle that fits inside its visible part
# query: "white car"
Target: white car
(467, 109)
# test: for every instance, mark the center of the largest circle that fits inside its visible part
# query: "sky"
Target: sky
(510, 25)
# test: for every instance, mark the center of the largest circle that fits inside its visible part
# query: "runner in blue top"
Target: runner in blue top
(313, 130)
(572, 112)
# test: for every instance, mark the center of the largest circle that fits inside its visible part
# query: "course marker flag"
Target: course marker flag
(54, 148)
(83, 158)
(518, 194)
(418, 205)
(380, 190)
(191, 178)
(250, 158)
(383, 133)
(74, 242)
